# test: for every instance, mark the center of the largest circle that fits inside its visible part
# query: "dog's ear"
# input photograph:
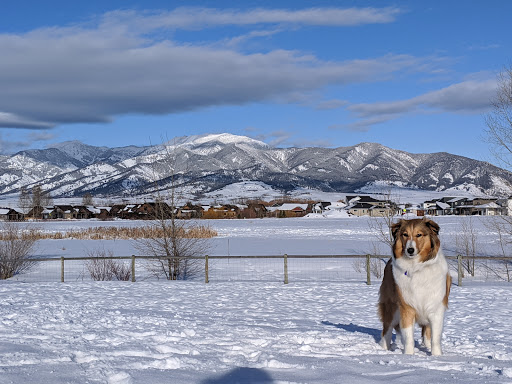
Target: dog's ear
(432, 225)
(395, 227)
(435, 243)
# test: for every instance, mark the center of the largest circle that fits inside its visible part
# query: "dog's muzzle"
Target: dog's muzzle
(410, 249)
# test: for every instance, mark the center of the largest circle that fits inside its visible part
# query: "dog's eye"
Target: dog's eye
(405, 235)
(419, 235)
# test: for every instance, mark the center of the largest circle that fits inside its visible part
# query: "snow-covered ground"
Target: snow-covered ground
(308, 331)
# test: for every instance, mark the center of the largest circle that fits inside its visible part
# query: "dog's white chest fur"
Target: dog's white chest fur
(422, 284)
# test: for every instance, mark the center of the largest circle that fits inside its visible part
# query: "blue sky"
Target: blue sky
(412, 75)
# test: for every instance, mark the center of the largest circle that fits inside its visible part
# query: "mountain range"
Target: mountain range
(205, 163)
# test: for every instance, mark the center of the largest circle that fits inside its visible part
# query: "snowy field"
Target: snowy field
(244, 331)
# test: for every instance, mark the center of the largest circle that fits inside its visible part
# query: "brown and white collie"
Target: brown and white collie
(415, 286)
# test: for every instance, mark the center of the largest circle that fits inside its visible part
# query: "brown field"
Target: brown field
(115, 233)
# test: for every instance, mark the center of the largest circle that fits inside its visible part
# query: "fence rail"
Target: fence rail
(285, 268)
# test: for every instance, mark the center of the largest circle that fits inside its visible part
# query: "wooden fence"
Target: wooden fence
(370, 266)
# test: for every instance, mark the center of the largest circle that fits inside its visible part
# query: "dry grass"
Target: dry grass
(116, 233)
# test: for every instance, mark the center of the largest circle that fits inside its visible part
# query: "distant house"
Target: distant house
(438, 209)
(254, 211)
(9, 214)
(413, 210)
(63, 212)
(84, 212)
(37, 212)
(222, 212)
(366, 200)
(117, 210)
(321, 207)
(506, 204)
(360, 209)
(290, 210)
(101, 213)
(429, 204)
(376, 211)
(487, 209)
(190, 211)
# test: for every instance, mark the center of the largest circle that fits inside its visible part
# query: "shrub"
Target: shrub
(16, 244)
(103, 267)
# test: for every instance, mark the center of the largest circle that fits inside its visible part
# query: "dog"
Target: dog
(415, 287)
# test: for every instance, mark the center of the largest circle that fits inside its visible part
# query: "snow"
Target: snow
(237, 332)
(442, 205)
(246, 330)
(224, 138)
(248, 189)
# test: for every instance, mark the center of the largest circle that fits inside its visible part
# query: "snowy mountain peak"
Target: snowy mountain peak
(212, 139)
(78, 150)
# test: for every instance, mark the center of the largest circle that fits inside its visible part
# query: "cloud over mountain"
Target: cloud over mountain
(129, 63)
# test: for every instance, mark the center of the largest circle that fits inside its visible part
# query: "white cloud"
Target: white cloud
(10, 145)
(470, 96)
(95, 72)
(14, 121)
(200, 18)
(284, 138)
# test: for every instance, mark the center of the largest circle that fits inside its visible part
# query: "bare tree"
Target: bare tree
(35, 199)
(502, 226)
(17, 242)
(381, 225)
(103, 267)
(87, 199)
(499, 120)
(24, 200)
(466, 241)
(178, 241)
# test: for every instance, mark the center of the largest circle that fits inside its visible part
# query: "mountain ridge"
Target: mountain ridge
(205, 163)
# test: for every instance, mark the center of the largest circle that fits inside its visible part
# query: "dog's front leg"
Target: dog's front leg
(436, 322)
(407, 319)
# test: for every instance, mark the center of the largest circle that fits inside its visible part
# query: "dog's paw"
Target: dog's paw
(436, 351)
(384, 344)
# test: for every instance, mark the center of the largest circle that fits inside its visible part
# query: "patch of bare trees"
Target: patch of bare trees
(502, 268)
(499, 135)
(16, 247)
(104, 267)
(380, 227)
(499, 120)
(466, 242)
(34, 200)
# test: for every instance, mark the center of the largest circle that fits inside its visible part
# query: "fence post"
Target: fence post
(459, 270)
(62, 269)
(285, 268)
(133, 268)
(368, 276)
(206, 277)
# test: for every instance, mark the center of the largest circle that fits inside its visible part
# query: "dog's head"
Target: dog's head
(417, 238)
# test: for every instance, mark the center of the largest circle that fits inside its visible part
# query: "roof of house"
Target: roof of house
(362, 206)
(456, 199)
(442, 205)
(291, 207)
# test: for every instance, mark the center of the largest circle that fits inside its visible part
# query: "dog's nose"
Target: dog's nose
(410, 251)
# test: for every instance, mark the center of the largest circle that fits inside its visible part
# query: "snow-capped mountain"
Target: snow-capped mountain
(207, 163)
